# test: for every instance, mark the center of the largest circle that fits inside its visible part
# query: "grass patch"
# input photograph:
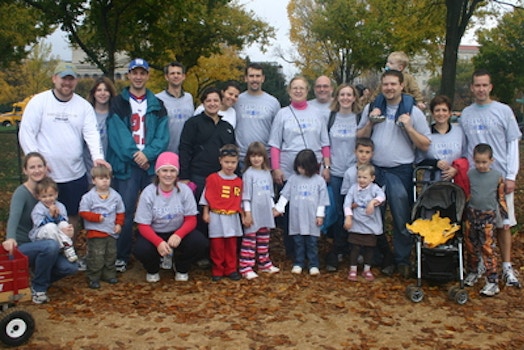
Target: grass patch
(10, 170)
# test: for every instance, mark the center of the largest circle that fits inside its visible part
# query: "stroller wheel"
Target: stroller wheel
(458, 294)
(415, 294)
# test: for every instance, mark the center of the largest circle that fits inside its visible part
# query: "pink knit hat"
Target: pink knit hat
(167, 159)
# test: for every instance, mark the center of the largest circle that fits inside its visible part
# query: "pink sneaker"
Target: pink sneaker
(352, 276)
(368, 275)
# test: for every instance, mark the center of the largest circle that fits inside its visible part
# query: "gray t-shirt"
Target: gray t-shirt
(258, 191)
(165, 214)
(362, 222)
(449, 147)
(107, 207)
(292, 133)
(342, 136)
(178, 111)
(305, 195)
(324, 108)
(350, 178)
(484, 189)
(393, 147)
(494, 124)
(255, 115)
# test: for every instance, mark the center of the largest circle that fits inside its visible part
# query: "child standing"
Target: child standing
(103, 212)
(485, 203)
(257, 200)
(222, 199)
(50, 219)
(363, 222)
(306, 192)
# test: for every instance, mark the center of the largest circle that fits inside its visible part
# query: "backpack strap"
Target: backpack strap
(331, 120)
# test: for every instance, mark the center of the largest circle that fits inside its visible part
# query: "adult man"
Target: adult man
(255, 110)
(137, 132)
(395, 139)
(492, 122)
(178, 103)
(56, 123)
(323, 90)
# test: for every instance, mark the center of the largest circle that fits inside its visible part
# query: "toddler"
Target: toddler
(306, 192)
(50, 219)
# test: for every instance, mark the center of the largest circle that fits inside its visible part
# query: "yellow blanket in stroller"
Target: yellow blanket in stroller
(436, 231)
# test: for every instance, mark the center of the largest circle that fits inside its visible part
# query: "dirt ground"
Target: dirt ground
(281, 311)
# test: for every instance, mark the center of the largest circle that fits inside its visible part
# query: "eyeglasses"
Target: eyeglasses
(322, 86)
(229, 152)
(298, 88)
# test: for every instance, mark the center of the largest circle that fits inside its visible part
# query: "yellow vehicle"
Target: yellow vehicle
(15, 116)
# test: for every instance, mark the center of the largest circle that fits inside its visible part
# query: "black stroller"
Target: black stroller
(444, 262)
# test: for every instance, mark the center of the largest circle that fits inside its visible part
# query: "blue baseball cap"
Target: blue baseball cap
(138, 63)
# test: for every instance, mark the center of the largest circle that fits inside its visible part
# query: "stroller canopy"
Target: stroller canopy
(443, 196)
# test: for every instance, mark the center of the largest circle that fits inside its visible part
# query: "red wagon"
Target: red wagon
(16, 325)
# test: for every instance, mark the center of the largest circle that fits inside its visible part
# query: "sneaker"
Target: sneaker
(314, 271)
(297, 270)
(368, 275)
(352, 276)
(270, 270)
(331, 268)
(94, 284)
(181, 277)
(235, 276)
(152, 277)
(112, 280)
(471, 279)
(40, 297)
(388, 270)
(81, 263)
(250, 275)
(70, 254)
(120, 265)
(490, 289)
(166, 262)
(511, 277)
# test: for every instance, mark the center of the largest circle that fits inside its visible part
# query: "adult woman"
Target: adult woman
(342, 131)
(447, 143)
(295, 128)
(47, 263)
(201, 139)
(100, 96)
(230, 92)
(166, 218)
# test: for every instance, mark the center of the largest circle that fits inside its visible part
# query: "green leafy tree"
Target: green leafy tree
(502, 54)
(20, 28)
(344, 38)
(159, 30)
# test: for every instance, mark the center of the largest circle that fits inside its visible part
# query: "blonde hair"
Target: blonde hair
(298, 77)
(101, 171)
(400, 57)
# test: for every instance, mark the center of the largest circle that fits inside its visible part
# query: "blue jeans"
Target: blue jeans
(47, 263)
(129, 190)
(399, 195)
(306, 247)
(340, 235)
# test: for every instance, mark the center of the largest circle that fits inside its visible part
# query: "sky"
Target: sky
(273, 12)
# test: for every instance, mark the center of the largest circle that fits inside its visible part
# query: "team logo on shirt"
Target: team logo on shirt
(228, 191)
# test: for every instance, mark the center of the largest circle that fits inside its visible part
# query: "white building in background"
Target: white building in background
(88, 70)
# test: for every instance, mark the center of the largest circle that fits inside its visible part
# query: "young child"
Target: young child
(364, 148)
(398, 60)
(306, 192)
(50, 219)
(485, 202)
(257, 200)
(363, 222)
(103, 212)
(222, 199)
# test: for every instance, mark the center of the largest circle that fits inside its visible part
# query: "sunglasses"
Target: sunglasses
(229, 152)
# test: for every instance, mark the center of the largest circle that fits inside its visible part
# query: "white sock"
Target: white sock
(367, 268)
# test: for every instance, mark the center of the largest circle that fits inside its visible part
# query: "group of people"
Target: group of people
(151, 158)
